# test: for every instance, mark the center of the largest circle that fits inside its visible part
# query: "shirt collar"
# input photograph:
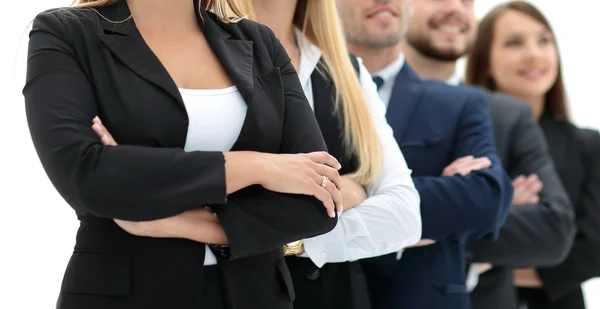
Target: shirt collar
(309, 56)
(455, 79)
(390, 72)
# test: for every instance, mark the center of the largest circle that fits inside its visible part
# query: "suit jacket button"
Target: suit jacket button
(312, 272)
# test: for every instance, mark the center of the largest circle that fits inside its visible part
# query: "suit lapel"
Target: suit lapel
(556, 138)
(126, 43)
(408, 87)
(235, 55)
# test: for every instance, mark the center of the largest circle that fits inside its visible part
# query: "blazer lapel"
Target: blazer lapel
(237, 57)
(408, 87)
(126, 43)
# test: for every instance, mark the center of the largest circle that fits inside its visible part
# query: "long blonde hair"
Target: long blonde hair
(320, 24)
(228, 11)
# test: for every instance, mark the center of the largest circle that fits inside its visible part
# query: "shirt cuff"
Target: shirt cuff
(333, 247)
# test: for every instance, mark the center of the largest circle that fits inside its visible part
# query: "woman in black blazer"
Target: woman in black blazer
(133, 64)
(515, 53)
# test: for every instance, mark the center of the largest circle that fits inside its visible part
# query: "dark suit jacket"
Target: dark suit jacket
(80, 66)
(533, 235)
(576, 153)
(434, 125)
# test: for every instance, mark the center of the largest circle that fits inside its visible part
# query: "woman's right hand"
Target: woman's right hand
(303, 174)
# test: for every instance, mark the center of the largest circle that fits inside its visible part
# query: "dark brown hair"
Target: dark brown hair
(478, 63)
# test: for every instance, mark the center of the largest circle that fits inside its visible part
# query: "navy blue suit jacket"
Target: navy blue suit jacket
(435, 124)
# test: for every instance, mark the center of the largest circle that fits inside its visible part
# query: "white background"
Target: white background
(37, 228)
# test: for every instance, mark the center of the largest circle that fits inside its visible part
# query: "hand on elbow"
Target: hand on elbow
(526, 190)
(466, 165)
(314, 174)
(353, 193)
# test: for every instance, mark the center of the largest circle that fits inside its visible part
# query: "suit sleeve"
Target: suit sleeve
(124, 182)
(257, 220)
(583, 261)
(475, 204)
(534, 234)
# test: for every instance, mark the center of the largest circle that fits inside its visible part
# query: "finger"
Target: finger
(484, 162)
(336, 195)
(457, 166)
(533, 182)
(97, 120)
(533, 177)
(519, 181)
(468, 168)
(535, 187)
(466, 158)
(518, 197)
(329, 172)
(323, 157)
(534, 199)
(101, 130)
(105, 140)
(322, 195)
(98, 130)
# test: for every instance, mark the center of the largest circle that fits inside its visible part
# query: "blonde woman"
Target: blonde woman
(384, 216)
(208, 111)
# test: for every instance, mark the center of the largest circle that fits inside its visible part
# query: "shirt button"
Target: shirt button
(323, 255)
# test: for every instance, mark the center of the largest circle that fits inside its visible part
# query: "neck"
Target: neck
(166, 15)
(279, 16)
(425, 67)
(375, 59)
(537, 104)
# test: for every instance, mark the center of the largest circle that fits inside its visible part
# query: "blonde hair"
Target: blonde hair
(320, 24)
(228, 11)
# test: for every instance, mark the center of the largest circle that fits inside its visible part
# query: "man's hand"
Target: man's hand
(352, 193)
(526, 190)
(527, 278)
(466, 165)
(422, 243)
(482, 267)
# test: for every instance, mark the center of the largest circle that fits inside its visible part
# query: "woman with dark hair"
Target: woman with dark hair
(515, 52)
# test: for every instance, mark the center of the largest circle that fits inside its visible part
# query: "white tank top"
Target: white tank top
(215, 121)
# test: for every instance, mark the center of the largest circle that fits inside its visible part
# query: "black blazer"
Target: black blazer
(533, 235)
(576, 153)
(80, 66)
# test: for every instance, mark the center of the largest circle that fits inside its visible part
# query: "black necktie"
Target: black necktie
(378, 81)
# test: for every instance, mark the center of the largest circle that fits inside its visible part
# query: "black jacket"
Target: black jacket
(533, 235)
(80, 66)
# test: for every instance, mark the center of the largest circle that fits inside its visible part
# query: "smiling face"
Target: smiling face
(442, 29)
(523, 56)
(374, 23)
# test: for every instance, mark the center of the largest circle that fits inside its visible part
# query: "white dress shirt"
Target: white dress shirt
(390, 218)
(220, 112)
(455, 79)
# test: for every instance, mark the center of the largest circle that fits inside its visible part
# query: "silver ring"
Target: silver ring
(324, 181)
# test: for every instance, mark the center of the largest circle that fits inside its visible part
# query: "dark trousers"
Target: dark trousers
(334, 286)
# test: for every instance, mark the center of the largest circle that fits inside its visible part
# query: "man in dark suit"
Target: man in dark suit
(446, 136)
(540, 226)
